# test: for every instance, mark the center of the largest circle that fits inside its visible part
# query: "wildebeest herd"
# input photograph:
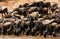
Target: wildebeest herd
(38, 18)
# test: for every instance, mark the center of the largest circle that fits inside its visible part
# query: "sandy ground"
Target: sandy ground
(26, 37)
(11, 4)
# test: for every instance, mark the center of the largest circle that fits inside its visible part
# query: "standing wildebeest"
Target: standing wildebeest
(17, 27)
(31, 25)
(26, 28)
(54, 29)
(46, 26)
(54, 7)
(10, 27)
(38, 28)
(5, 25)
(21, 11)
(3, 10)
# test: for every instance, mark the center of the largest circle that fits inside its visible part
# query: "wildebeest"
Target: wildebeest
(25, 5)
(3, 10)
(54, 7)
(46, 4)
(26, 28)
(17, 29)
(21, 11)
(7, 27)
(32, 9)
(34, 15)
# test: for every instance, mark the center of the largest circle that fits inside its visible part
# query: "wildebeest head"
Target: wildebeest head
(3, 9)
(54, 7)
(25, 5)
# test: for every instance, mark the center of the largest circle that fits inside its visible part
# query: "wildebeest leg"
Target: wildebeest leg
(54, 33)
(45, 32)
(32, 33)
(58, 30)
(22, 31)
(0, 30)
(17, 32)
(10, 30)
(27, 32)
(41, 30)
(4, 30)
